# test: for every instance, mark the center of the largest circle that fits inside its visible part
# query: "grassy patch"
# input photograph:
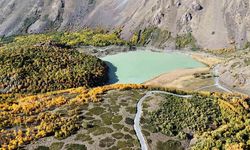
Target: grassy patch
(76, 147)
(118, 135)
(96, 111)
(129, 121)
(113, 148)
(89, 118)
(127, 137)
(145, 105)
(107, 118)
(115, 108)
(145, 133)
(56, 146)
(132, 132)
(126, 129)
(107, 142)
(247, 61)
(95, 122)
(247, 45)
(116, 119)
(124, 104)
(102, 130)
(42, 148)
(118, 126)
(83, 106)
(91, 142)
(125, 144)
(131, 109)
(83, 137)
(169, 145)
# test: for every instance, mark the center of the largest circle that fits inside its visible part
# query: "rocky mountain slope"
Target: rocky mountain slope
(235, 71)
(215, 24)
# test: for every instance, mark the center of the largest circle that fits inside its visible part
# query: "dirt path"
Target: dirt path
(138, 116)
(217, 80)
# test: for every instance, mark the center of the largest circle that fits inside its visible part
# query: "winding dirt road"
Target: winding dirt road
(137, 127)
(138, 116)
(217, 80)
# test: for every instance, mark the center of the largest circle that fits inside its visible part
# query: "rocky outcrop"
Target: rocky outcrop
(235, 72)
(214, 23)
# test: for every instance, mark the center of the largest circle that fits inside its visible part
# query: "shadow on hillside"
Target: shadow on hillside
(113, 78)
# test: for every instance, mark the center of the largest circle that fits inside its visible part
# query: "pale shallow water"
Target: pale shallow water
(141, 66)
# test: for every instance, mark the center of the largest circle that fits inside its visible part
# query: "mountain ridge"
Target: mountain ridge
(214, 24)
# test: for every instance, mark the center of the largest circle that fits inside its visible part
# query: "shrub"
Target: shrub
(174, 145)
(56, 146)
(118, 135)
(76, 147)
(48, 68)
(186, 40)
(129, 121)
(107, 142)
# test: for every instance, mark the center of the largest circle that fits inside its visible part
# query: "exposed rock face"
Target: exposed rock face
(235, 72)
(214, 23)
(196, 6)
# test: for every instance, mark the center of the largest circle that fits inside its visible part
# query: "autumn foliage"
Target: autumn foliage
(39, 69)
(25, 118)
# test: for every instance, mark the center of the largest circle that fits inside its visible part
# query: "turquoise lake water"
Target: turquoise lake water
(141, 66)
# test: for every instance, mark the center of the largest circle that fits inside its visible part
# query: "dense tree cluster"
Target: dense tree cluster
(234, 132)
(46, 68)
(85, 37)
(32, 117)
(218, 121)
(195, 114)
(36, 127)
(157, 37)
(45, 62)
(90, 37)
(153, 35)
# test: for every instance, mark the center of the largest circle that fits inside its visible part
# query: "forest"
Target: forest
(46, 62)
(42, 72)
(84, 37)
(217, 121)
(177, 114)
(26, 118)
(36, 69)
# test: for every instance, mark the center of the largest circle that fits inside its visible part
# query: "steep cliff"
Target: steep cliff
(214, 23)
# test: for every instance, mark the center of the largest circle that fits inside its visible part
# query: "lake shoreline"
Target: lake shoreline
(181, 77)
(175, 78)
(113, 50)
(100, 52)
(143, 64)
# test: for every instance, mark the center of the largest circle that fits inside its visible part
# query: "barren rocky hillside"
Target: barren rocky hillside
(236, 70)
(214, 23)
